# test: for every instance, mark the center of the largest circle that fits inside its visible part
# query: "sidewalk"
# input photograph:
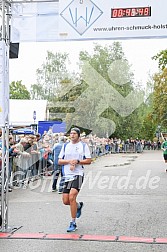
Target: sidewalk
(124, 196)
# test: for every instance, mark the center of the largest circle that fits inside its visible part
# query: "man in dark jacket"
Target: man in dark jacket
(57, 168)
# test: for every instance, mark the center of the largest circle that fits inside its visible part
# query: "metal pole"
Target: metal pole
(5, 121)
(7, 177)
(3, 135)
(4, 193)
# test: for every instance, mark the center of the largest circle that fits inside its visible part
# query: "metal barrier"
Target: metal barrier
(26, 168)
(113, 148)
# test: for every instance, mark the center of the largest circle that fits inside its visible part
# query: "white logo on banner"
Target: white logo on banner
(81, 15)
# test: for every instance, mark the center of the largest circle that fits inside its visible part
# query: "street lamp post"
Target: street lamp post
(159, 130)
(159, 127)
(34, 117)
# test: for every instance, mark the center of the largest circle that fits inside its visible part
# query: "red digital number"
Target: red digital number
(141, 11)
(114, 13)
(120, 12)
(146, 11)
(133, 12)
(128, 12)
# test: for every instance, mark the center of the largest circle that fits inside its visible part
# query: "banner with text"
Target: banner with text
(86, 19)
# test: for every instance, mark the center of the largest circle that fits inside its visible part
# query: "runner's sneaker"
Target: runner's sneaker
(72, 227)
(79, 210)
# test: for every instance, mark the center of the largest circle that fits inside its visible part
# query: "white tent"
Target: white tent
(21, 112)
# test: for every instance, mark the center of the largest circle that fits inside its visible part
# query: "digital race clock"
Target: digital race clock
(131, 12)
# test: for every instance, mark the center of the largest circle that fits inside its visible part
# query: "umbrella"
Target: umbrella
(25, 131)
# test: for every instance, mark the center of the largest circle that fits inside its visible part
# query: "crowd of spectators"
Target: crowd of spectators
(32, 157)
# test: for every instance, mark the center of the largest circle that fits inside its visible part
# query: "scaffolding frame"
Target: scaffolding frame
(5, 15)
(5, 6)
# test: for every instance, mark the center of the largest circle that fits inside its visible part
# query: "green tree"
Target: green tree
(160, 90)
(97, 96)
(160, 98)
(162, 59)
(19, 91)
(49, 76)
(72, 98)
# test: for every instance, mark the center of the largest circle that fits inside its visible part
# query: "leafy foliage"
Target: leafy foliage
(91, 106)
(162, 59)
(101, 60)
(160, 97)
(49, 76)
(160, 91)
(19, 91)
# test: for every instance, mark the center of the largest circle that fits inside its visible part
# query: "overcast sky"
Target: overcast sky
(32, 55)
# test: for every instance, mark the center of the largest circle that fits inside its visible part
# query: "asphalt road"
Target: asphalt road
(124, 196)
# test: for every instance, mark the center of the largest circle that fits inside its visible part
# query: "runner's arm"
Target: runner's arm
(63, 161)
(85, 161)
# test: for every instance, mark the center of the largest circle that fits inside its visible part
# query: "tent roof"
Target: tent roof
(25, 131)
(21, 111)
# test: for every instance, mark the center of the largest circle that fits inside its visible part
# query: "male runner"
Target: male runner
(73, 156)
(164, 148)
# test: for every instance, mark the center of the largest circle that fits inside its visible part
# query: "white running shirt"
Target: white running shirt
(74, 151)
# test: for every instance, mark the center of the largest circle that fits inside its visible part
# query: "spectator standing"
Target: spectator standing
(21, 159)
(57, 168)
(39, 147)
(12, 154)
(35, 158)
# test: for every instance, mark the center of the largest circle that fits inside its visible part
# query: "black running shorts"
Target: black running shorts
(75, 183)
(165, 156)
